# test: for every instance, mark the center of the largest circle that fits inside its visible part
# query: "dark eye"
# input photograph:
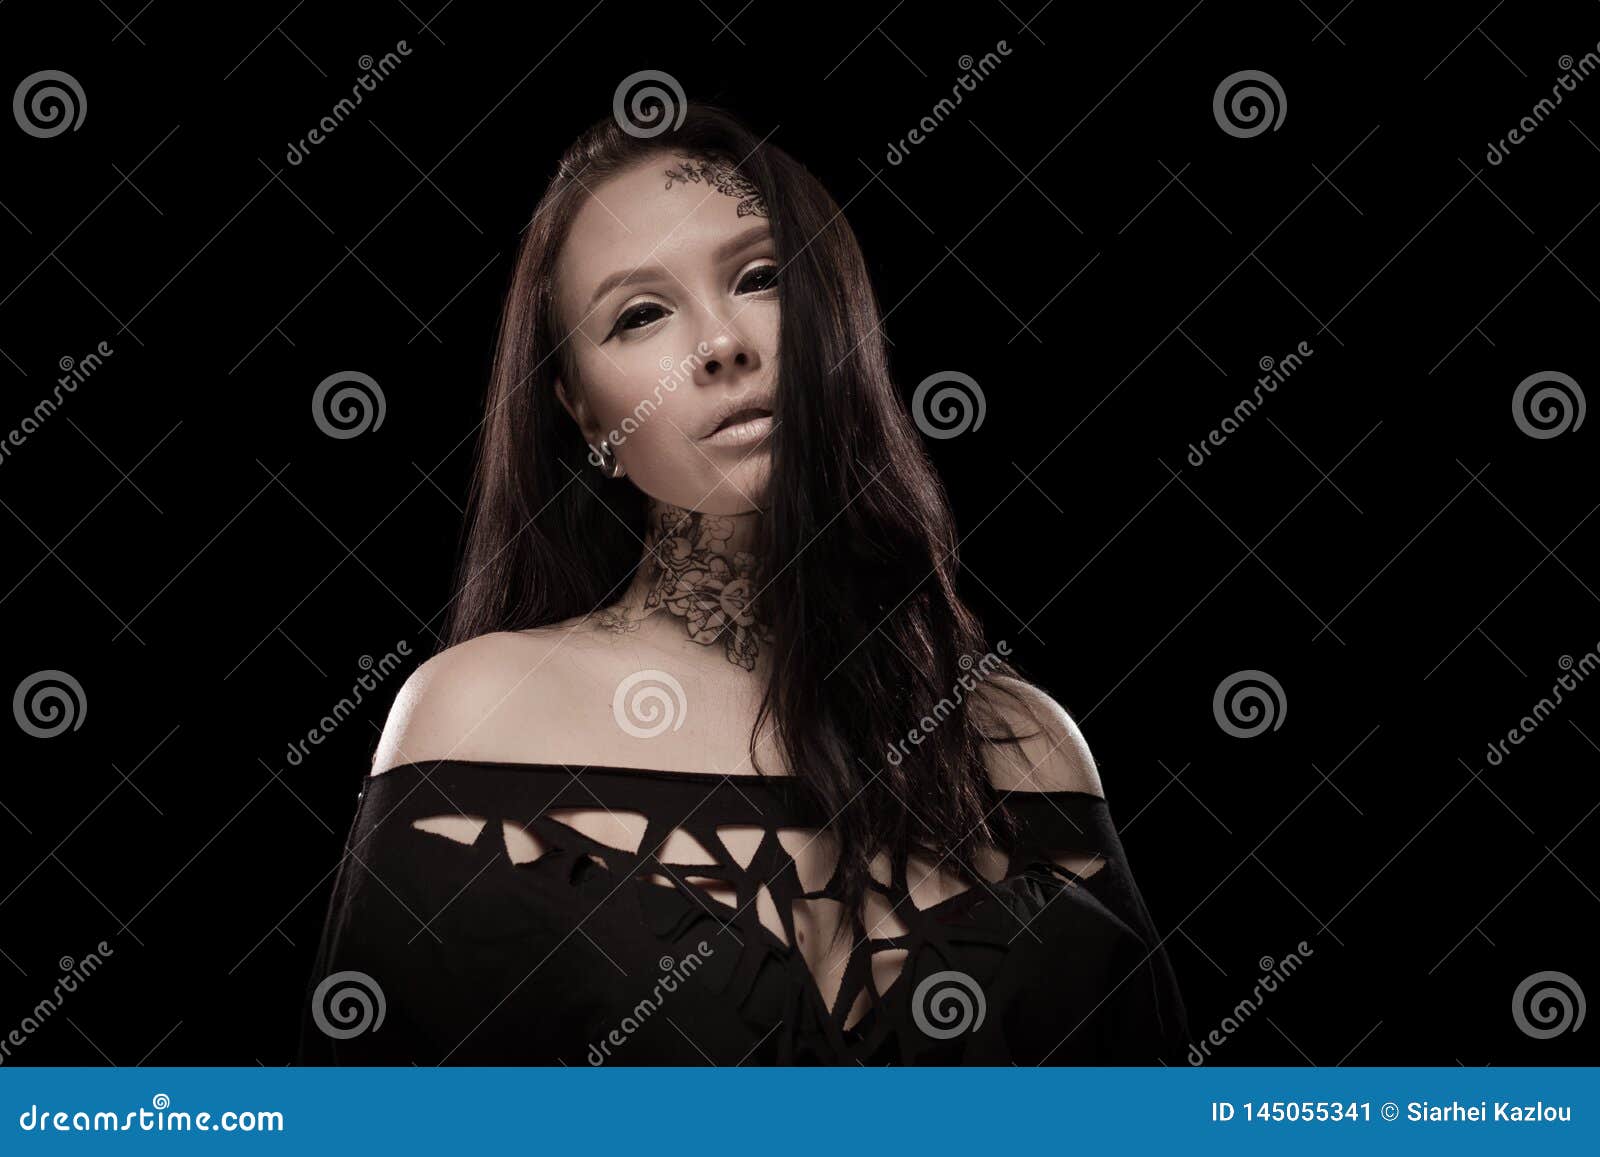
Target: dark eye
(764, 277)
(639, 315)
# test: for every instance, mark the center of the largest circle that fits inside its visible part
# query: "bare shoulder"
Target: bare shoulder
(1048, 752)
(473, 700)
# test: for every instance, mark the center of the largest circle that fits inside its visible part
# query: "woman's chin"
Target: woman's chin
(741, 491)
(730, 504)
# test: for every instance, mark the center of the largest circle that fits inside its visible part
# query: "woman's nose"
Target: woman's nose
(730, 356)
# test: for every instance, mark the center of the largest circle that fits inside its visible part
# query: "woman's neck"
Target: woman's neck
(698, 571)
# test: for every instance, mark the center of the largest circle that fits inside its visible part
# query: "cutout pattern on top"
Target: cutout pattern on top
(637, 868)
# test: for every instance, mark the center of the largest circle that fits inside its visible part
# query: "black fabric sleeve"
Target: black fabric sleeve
(1142, 1018)
(315, 1046)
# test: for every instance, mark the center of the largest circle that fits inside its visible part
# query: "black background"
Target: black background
(1081, 237)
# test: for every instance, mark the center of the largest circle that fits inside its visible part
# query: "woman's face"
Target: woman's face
(671, 301)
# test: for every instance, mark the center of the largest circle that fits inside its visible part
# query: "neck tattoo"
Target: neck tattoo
(689, 571)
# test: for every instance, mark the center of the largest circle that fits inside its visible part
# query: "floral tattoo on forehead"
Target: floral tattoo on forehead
(692, 575)
(722, 177)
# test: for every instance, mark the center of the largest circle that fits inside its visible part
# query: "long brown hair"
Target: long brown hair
(868, 632)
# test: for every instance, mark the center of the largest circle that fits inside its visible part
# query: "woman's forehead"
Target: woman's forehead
(663, 210)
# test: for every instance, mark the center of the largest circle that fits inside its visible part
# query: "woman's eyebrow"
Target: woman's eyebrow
(722, 252)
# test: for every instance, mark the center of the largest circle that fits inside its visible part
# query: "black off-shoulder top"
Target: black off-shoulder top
(436, 951)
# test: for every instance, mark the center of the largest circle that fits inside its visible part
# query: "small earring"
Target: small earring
(610, 465)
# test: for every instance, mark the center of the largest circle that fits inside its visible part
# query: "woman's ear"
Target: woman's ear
(573, 402)
(578, 409)
(566, 400)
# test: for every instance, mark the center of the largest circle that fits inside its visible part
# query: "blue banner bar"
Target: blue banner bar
(802, 1111)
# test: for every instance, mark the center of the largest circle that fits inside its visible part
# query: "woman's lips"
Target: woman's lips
(741, 428)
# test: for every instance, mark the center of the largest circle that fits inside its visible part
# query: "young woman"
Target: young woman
(718, 767)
